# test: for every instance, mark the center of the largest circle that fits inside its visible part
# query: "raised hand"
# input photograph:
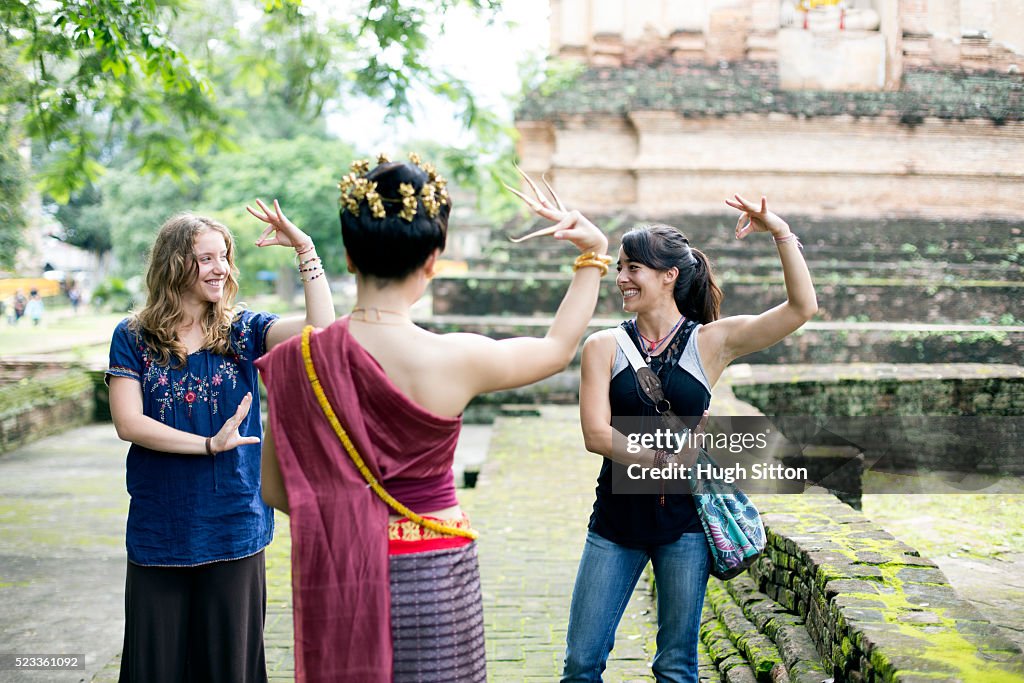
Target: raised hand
(757, 219)
(228, 436)
(569, 224)
(284, 231)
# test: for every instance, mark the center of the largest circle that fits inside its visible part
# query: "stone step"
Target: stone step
(952, 240)
(722, 651)
(815, 342)
(741, 263)
(786, 631)
(706, 671)
(760, 654)
(889, 299)
(874, 608)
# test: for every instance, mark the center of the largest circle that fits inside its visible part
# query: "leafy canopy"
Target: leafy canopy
(104, 78)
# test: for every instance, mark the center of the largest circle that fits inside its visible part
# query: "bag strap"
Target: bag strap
(357, 460)
(649, 381)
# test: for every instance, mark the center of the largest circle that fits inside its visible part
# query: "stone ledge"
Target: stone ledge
(696, 90)
(36, 406)
(875, 609)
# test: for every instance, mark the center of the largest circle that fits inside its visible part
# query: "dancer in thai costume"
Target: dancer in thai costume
(364, 419)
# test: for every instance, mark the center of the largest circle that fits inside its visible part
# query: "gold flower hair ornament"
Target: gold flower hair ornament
(355, 189)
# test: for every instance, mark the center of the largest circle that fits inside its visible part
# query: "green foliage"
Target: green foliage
(133, 209)
(302, 174)
(549, 76)
(106, 81)
(13, 182)
(397, 33)
(86, 224)
(114, 294)
(13, 178)
(110, 59)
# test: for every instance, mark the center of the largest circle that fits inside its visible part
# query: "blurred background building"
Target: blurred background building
(864, 107)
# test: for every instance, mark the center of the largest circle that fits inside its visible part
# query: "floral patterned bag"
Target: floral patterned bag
(736, 535)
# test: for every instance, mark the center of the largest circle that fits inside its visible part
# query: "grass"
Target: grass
(60, 332)
(979, 525)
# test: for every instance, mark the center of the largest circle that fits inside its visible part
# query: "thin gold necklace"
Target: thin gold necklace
(378, 311)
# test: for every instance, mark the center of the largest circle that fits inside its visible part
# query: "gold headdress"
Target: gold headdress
(355, 189)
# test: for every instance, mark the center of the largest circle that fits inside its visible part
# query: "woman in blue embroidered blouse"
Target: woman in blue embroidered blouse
(183, 391)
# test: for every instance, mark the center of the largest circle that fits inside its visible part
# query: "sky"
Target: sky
(488, 57)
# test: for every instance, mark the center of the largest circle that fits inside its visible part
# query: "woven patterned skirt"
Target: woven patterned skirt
(437, 620)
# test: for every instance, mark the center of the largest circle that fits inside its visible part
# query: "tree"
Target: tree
(109, 59)
(302, 174)
(13, 184)
(13, 178)
(114, 63)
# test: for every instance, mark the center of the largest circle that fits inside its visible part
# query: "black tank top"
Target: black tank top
(639, 520)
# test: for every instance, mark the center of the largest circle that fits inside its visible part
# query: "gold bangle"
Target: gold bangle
(591, 263)
(592, 259)
(593, 255)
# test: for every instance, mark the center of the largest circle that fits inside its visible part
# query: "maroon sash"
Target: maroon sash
(340, 579)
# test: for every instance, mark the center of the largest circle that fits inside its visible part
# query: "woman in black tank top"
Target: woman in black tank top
(670, 288)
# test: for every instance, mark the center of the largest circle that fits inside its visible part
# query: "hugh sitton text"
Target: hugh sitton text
(729, 475)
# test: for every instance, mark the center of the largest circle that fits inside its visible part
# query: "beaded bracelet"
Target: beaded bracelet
(788, 238)
(661, 458)
(308, 261)
(313, 277)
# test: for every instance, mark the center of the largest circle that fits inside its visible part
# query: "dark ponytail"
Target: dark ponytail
(661, 247)
(705, 296)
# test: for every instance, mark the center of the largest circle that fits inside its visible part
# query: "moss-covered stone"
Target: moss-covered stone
(874, 607)
(696, 90)
(36, 406)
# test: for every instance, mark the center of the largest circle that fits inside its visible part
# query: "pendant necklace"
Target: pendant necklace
(652, 345)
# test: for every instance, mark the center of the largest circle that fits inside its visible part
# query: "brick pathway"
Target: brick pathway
(531, 507)
(62, 512)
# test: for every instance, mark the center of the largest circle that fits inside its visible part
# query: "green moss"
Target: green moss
(941, 642)
(26, 393)
(752, 87)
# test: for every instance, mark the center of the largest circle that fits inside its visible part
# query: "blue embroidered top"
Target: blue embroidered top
(189, 510)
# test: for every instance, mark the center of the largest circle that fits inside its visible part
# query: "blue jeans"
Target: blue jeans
(607, 575)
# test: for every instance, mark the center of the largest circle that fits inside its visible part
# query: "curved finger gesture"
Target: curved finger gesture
(756, 218)
(569, 224)
(279, 230)
(228, 436)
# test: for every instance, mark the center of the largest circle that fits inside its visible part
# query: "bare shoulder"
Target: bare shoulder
(600, 342)
(464, 341)
(599, 349)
